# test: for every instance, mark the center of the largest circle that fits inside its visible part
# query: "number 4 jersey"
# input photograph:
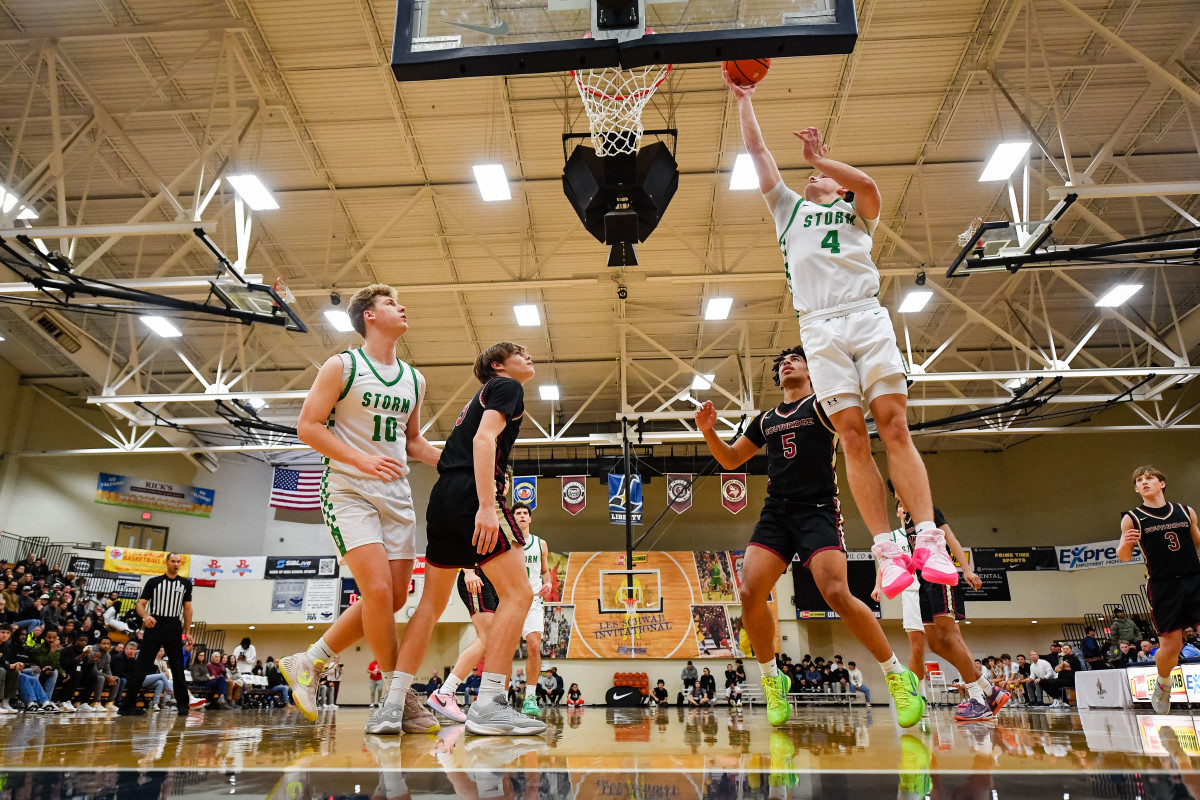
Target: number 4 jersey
(371, 414)
(801, 452)
(826, 250)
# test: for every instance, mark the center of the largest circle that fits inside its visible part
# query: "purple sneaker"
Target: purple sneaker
(997, 699)
(973, 711)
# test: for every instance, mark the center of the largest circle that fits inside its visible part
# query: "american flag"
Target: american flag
(298, 489)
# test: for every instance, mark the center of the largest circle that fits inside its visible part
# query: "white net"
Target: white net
(614, 100)
(965, 236)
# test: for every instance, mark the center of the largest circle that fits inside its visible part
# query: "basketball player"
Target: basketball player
(537, 571)
(801, 516)
(479, 596)
(1169, 538)
(941, 608)
(363, 414)
(463, 526)
(825, 236)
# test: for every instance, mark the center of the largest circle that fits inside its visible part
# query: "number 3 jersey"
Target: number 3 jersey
(371, 414)
(801, 452)
(1166, 541)
(826, 250)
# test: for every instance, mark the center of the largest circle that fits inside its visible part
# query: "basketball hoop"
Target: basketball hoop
(281, 288)
(965, 237)
(614, 99)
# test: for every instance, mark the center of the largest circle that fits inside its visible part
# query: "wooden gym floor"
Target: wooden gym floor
(598, 752)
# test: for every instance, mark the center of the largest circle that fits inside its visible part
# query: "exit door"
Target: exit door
(139, 536)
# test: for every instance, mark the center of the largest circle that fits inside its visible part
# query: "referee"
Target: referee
(166, 611)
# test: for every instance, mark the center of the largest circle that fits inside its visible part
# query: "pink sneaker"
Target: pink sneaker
(895, 566)
(447, 706)
(933, 559)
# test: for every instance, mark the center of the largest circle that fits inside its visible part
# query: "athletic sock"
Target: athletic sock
(770, 669)
(892, 666)
(450, 686)
(530, 690)
(491, 684)
(985, 685)
(882, 538)
(401, 681)
(319, 651)
(926, 527)
(975, 692)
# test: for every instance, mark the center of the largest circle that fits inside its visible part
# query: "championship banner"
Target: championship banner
(733, 491)
(224, 568)
(321, 600)
(679, 491)
(1096, 554)
(1015, 559)
(121, 490)
(616, 499)
(574, 493)
(141, 562)
(301, 567)
(524, 490)
(993, 589)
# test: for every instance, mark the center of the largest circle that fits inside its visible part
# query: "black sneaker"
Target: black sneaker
(131, 711)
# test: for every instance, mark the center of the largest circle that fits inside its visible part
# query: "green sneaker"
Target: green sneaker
(910, 706)
(783, 766)
(915, 760)
(776, 689)
(530, 707)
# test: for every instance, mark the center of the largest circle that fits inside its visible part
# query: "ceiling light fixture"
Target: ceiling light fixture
(548, 391)
(527, 315)
(162, 326)
(253, 192)
(718, 308)
(701, 382)
(1118, 295)
(743, 176)
(1005, 159)
(339, 319)
(493, 183)
(915, 301)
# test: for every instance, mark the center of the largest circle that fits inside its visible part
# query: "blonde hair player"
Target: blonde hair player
(1169, 538)
(363, 414)
(825, 236)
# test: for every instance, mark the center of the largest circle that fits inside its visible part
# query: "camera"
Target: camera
(335, 298)
(622, 293)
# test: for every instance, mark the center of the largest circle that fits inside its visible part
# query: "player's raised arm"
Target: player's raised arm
(1130, 536)
(728, 456)
(764, 162)
(867, 199)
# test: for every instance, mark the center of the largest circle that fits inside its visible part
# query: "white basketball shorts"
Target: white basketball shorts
(910, 603)
(535, 619)
(362, 511)
(853, 358)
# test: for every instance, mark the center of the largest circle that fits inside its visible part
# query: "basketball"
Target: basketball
(747, 72)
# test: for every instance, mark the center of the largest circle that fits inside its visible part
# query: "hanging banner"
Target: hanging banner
(994, 587)
(1015, 559)
(574, 493)
(320, 601)
(301, 567)
(733, 491)
(224, 568)
(141, 562)
(616, 499)
(679, 491)
(121, 490)
(1095, 554)
(525, 491)
(287, 597)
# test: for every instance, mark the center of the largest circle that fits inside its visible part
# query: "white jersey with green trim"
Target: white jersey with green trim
(826, 250)
(371, 414)
(533, 562)
(901, 540)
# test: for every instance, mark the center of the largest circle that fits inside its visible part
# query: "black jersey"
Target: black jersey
(910, 529)
(499, 394)
(1166, 542)
(801, 451)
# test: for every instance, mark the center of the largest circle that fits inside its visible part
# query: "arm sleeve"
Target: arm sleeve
(754, 431)
(504, 395)
(781, 200)
(187, 591)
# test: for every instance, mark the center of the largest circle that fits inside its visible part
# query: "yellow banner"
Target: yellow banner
(140, 562)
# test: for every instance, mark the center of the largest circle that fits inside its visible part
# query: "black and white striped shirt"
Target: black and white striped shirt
(165, 597)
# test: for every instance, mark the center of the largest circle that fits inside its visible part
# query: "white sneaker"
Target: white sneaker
(65, 706)
(97, 708)
(111, 708)
(331, 706)
(5, 708)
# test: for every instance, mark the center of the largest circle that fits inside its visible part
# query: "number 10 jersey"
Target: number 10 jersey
(372, 411)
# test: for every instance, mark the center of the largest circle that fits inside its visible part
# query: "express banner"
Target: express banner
(733, 491)
(1095, 554)
(574, 493)
(301, 567)
(177, 498)
(1015, 559)
(141, 562)
(679, 491)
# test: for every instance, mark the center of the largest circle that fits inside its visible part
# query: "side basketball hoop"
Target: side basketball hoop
(614, 99)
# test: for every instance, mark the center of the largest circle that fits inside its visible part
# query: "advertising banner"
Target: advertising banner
(140, 562)
(177, 498)
(616, 499)
(1015, 559)
(301, 567)
(225, 568)
(321, 601)
(1095, 554)
(993, 589)
(287, 597)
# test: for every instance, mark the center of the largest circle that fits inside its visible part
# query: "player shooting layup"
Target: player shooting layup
(826, 241)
